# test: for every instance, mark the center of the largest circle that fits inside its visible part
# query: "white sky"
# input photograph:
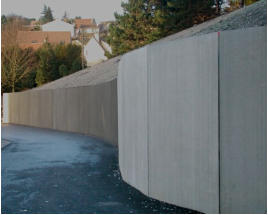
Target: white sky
(101, 10)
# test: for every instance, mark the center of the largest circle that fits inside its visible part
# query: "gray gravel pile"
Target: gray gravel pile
(250, 16)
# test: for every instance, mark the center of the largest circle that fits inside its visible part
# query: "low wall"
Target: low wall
(192, 121)
(90, 110)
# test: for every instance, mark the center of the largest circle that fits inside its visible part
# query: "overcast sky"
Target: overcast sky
(101, 10)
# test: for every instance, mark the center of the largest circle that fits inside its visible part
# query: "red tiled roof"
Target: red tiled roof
(85, 22)
(35, 39)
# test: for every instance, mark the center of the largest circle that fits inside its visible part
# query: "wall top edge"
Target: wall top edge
(196, 35)
(61, 88)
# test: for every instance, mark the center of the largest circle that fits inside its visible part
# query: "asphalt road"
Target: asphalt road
(46, 171)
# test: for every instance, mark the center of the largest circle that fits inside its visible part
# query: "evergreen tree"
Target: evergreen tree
(63, 70)
(144, 21)
(134, 28)
(47, 15)
(55, 61)
(3, 19)
(39, 79)
(76, 65)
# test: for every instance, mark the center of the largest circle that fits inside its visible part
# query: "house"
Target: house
(94, 51)
(34, 23)
(86, 26)
(58, 25)
(33, 26)
(76, 42)
(104, 28)
(35, 39)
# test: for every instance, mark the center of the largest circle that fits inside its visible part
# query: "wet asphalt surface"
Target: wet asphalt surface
(47, 171)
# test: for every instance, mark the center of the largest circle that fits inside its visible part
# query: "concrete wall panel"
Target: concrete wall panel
(34, 117)
(132, 119)
(183, 123)
(90, 110)
(168, 122)
(45, 101)
(243, 121)
(5, 107)
(59, 117)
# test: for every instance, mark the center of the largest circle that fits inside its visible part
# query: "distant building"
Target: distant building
(94, 51)
(58, 25)
(104, 28)
(86, 26)
(33, 26)
(34, 23)
(76, 42)
(35, 39)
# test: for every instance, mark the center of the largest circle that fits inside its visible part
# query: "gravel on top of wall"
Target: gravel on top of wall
(251, 16)
(94, 75)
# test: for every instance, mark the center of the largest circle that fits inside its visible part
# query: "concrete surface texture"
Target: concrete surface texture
(174, 115)
(206, 134)
(243, 137)
(5, 116)
(132, 109)
(183, 122)
(49, 172)
(90, 110)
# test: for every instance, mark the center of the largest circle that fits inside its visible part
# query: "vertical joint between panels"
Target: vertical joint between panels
(148, 117)
(219, 118)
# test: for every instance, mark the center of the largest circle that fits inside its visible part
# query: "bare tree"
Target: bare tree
(16, 62)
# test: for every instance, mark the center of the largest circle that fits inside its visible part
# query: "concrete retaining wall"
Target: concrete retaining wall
(191, 118)
(195, 110)
(90, 110)
(132, 109)
(243, 139)
(183, 123)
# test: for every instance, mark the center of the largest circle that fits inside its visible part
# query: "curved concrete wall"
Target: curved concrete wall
(192, 121)
(90, 110)
(132, 113)
(191, 118)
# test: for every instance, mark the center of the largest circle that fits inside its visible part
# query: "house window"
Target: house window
(34, 41)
